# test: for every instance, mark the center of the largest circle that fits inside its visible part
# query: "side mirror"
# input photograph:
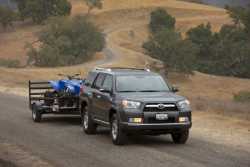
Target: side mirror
(104, 90)
(87, 84)
(175, 89)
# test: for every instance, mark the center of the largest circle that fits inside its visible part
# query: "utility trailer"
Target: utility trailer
(43, 99)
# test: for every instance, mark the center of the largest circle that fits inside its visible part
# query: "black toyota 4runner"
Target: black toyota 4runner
(133, 101)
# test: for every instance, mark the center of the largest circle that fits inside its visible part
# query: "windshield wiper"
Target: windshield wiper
(150, 91)
(127, 91)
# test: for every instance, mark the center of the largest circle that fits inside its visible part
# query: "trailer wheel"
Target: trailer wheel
(89, 127)
(36, 115)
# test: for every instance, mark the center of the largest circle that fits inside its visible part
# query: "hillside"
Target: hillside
(188, 15)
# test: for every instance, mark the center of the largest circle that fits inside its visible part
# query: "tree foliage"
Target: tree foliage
(160, 19)
(93, 4)
(240, 16)
(177, 55)
(226, 52)
(67, 41)
(203, 37)
(40, 10)
(7, 16)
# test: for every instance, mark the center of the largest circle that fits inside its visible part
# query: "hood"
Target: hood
(152, 97)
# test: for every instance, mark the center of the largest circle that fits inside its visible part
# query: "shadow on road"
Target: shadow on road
(4, 163)
(62, 120)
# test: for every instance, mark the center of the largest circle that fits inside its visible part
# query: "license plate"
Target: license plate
(161, 116)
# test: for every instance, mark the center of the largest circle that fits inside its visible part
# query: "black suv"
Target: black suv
(133, 101)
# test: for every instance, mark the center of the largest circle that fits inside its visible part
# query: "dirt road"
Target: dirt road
(60, 141)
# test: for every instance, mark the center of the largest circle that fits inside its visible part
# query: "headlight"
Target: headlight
(127, 104)
(185, 104)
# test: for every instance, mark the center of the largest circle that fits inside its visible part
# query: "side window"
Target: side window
(90, 79)
(108, 83)
(99, 81)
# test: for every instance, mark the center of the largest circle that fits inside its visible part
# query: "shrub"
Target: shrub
(9, 63)
(66, 41)
(160, 19)
(40, 10)
(240, 16)
(176, 54)
(242, 96)
(93, 4)
(7, 16)
(168, 46)
(223, 53)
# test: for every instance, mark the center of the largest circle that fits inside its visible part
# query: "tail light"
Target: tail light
(82, 89)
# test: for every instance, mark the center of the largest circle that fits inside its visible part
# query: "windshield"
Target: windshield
(141, 83)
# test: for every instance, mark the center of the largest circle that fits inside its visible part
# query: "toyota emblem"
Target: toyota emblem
(161, 106)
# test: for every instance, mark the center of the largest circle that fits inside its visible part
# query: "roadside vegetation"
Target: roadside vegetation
(226, 52)
(9, 63)
(7, 17)
(92, 4)
(242, 96)
(63, 40)
(66, 41)
(166, 44)
(40, 10)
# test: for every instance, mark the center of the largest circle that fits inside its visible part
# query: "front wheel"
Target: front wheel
(118, 136)
(89, 127)
(180, 137)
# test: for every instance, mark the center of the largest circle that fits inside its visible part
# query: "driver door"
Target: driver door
(97, 97)
(106, 97)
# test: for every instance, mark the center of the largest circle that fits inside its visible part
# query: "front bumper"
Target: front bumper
(159, 126)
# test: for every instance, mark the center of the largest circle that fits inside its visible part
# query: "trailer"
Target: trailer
(43, 99)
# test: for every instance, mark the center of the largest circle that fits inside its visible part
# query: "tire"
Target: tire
(117, 135)
(180, 137)
(88, 125)
(36, 114)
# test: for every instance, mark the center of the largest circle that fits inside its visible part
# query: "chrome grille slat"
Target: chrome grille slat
(160, 107)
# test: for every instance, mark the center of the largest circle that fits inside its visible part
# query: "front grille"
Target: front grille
(160, 107)
(154, 120)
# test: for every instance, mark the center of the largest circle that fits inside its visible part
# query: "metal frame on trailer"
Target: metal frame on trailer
(37, 91)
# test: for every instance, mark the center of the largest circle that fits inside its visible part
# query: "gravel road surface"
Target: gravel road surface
(60, 141)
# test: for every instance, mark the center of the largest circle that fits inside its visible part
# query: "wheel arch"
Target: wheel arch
(112, 111)
(83, 104)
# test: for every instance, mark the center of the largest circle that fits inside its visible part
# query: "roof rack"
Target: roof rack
(103, 69)
(121, 68)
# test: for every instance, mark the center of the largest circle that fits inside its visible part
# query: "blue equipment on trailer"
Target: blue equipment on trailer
(55, 97)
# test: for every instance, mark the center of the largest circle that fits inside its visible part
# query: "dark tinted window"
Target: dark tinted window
(141, 83)
(108, 82)
(90, 79)
(99, 81)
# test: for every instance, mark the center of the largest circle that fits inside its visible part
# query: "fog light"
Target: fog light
(183, 119)
(135, 120)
